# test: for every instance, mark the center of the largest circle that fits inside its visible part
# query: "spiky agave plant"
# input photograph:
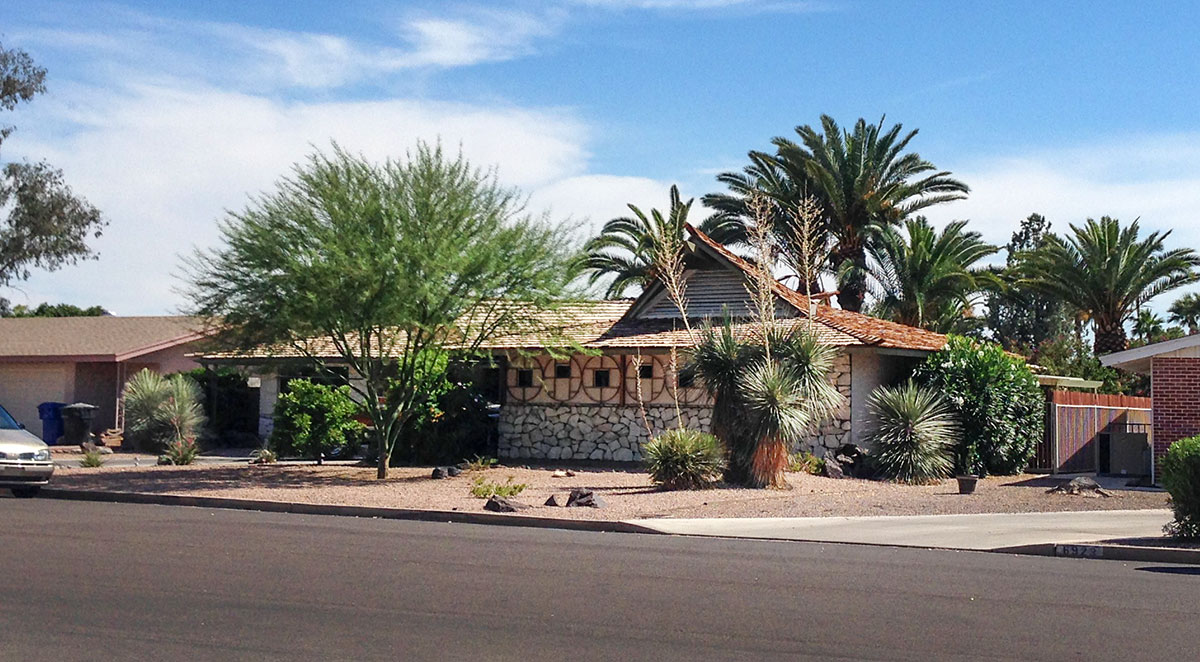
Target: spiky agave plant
(914, 433)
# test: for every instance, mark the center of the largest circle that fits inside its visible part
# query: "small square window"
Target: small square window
(524, 378)
(687, 380)
(562, 371)
(646, 371)
(600, 379)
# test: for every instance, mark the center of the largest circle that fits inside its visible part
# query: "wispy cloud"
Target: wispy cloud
(754, 6)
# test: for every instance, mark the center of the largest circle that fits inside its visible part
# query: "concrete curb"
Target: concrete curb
(451, 516)
(1108, 552)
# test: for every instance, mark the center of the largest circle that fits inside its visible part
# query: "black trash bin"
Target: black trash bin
(77, 422)
(52, 422)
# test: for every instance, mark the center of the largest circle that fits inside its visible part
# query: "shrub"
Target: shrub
(180, 452)
(264, 456)
(312, 420)
(92, 459)
(914, 434)
(160, 411)
(484, 488)
(481, 462)
(997, 400)
(806, 462)
(684, 459)
(1181, 477)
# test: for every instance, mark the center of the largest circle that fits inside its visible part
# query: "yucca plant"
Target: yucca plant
(914, 433)
(768, 392)
(180, 452)
(682, 459)
(161, 410)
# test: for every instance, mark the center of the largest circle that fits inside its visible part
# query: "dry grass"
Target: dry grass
(629, 493)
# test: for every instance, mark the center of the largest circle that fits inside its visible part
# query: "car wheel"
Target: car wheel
(25, 492)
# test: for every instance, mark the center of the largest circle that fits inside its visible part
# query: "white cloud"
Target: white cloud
(592, 200)
(163, 163)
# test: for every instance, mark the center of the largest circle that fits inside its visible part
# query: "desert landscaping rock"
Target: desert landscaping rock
(584, 498)
(499, 504)
(1081, 486)
(453, 471)
(438, 473)
(558, 500)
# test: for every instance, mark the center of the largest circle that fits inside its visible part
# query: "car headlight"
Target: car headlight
(42, 455)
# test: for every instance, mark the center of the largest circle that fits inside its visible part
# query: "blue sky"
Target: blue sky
(164, 114)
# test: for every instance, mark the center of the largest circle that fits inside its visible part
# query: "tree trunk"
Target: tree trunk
(381, 463)
(851, 291)
(1110, 337)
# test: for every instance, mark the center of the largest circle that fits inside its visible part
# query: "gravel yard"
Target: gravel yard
(628, 493)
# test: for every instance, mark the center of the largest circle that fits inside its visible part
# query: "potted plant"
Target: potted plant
(967, 469)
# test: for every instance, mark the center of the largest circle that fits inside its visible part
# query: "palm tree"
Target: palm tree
(863, 179)
(1186, 311)
(928, 279)
(1106, 272)
(630, 247)
(767, 391)
(1148, 326)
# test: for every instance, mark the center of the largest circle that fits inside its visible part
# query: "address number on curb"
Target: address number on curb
(1079, 551)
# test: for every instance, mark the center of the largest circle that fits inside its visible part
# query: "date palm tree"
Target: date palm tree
(1106, 271)
(629, 247)
(1148, 326)
(928, 279)
(863, 178)
(1186, 311)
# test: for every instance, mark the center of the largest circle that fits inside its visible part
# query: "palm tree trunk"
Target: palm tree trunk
(1110, 337)
(851, 290)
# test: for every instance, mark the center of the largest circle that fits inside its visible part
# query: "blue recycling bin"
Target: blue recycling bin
(52, 422)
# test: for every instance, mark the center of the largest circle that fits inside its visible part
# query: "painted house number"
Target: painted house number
(1079, 551)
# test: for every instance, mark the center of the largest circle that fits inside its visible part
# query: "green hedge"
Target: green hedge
(311, 419)
(1181, 477)
(997, 400)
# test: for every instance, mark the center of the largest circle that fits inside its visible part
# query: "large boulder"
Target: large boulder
(1081, 486)
(833, 468)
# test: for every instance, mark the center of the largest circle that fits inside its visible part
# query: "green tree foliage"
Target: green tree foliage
(862, 179)
(1181, 477)
(928, 279)
(913, 433)
(682, 459)
(1069, 356)
(1148, 326)
(160, 411)
(389, 264)
(630, 247)
(53, 310)
(1105, 271)
(1186, 311)
(43, 224)
(1021, 319)
(997, 401)
(313, 420)
(768, 392)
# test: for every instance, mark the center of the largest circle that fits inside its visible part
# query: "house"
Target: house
(585, 406)
(582, 403)
(86, 359)
(1174, 369)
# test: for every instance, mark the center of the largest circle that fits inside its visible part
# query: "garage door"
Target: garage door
(25, 385)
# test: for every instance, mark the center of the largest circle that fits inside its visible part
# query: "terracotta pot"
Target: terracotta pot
(966, 484)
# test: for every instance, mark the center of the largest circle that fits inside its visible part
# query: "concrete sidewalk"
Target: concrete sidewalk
(974, 532)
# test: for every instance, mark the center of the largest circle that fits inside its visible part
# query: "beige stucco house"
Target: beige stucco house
(86, 359)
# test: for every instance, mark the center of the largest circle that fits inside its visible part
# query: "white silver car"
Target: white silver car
(25, 464)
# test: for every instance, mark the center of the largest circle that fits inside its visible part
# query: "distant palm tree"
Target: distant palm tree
(628, 248)
(1148, 326)
(1105, 271)
(863, 179)
(1186, 311)
(928, 279)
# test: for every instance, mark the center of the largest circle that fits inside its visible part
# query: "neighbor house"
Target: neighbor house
(86, 359)
(1174, 369)
(590, 377)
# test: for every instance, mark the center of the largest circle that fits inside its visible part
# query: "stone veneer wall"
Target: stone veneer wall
(617, 432)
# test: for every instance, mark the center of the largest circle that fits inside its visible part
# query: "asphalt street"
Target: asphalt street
(92, 581)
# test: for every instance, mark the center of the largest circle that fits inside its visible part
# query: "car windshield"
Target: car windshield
(7, 422)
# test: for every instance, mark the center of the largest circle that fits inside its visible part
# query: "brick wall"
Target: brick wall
(1175, 390)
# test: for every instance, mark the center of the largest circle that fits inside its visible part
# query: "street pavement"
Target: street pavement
(102, 581)
(979, 532)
